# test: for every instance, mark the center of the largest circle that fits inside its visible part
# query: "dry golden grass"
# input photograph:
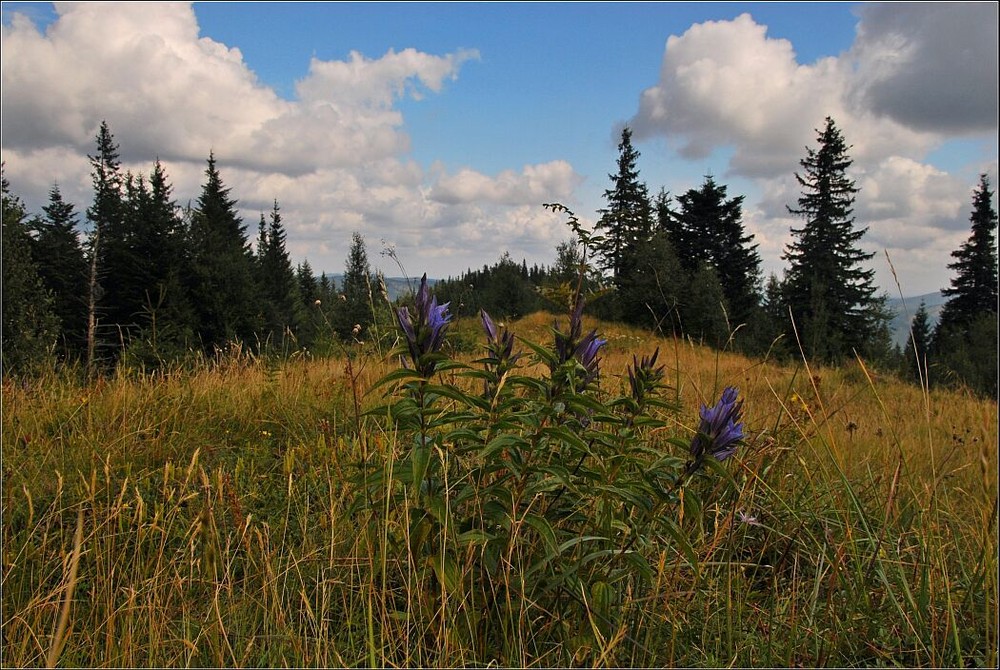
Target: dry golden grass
(212, 526)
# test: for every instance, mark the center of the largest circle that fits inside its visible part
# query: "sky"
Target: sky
(439, 130)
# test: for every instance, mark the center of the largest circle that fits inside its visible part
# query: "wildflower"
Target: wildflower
(356, 330)
(721, 428)
(586, 354)
(643, 377)
(575, 345)
(318, 302)
(424, 331)
(746, 518)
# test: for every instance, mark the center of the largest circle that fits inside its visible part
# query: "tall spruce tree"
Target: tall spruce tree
(965, 340)
(709, 229)
(30, 329)
(354, 309)
(973, 289)
(105, 244)
(221, 282)
(704, 310)
(158, 242)
(831, 296)
(279, 287)
(63, 270)
(628, 219)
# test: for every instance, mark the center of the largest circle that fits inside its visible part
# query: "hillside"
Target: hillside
(249, 512)
(904, 309)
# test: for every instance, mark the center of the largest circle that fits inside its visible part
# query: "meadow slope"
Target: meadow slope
(206, 517)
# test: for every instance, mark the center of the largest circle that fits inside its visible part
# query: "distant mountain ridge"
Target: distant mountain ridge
(396, 287)
(903, 310)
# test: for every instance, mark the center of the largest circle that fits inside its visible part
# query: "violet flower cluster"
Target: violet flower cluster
(424, 330)
(583, 349)
(500, 346)
(721, 428)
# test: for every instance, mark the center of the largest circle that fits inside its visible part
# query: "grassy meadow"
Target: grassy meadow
(208, 517)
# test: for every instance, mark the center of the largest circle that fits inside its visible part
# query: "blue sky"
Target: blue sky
(439, 129)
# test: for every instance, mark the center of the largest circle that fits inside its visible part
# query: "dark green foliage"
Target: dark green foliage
(973, 290)
(651, 288)
(704, 312)
(63, 270)
(628, 219)
(831, 296)
(353, 313)
(967, 355)
(30, 328)
(158, 244)
(280, 300)
(965, 340)
(708, 228)
(918, 345)
(221, 279)
(309, 293)
(505, 289)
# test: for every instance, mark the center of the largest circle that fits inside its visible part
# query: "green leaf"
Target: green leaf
(475, 536)
(720, 469)
(542, 526)
(501, 442)
(682, 543)
(447, 571)
(399, 374)
(564, 434)
(543, 485)
(419, 458)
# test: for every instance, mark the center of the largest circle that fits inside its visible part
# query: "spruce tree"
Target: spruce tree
(704, 309)
(628, 219)
(918, 344)
(158, 242)
(221, 286)
(354, 310)
(63, 270)
(283, 312)
(105, 242)
(30, 329)
(653, 287)
(709, 229)
(973, 289)
(831, 296)
(965, 340)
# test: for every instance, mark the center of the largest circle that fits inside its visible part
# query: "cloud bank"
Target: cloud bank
(917, 76)
(335, 157)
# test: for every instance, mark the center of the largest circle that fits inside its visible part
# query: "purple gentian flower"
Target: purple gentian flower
(424, 331)
(488, 326)
(571, 345)
(586, 354)
(721, 428)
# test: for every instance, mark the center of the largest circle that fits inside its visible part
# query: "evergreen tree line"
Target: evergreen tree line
(153, 282)
(686, 266)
